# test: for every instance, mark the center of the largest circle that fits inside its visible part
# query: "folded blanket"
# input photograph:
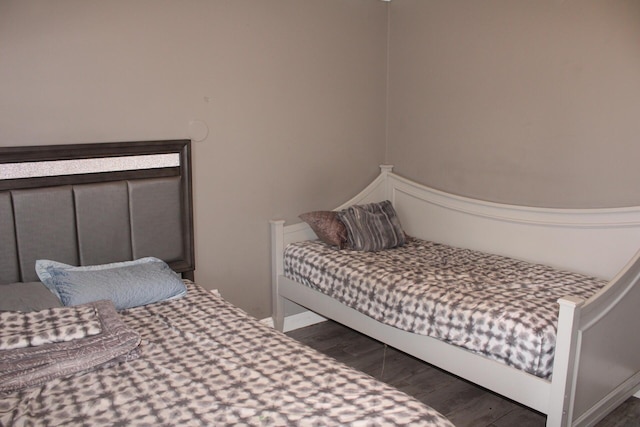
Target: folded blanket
(47, 326)
(41, 346)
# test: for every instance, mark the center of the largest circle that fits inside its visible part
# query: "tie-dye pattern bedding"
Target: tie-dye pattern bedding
(503, 308)
(204, 362)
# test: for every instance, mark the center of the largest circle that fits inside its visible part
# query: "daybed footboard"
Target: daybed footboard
(597, 355)
(606, 365)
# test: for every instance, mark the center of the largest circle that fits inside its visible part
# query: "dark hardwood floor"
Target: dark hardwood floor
(465, 404)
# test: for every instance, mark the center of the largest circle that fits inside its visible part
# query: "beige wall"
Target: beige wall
(293, 93)
(525, 102)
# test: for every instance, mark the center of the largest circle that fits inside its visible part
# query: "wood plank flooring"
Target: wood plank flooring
(465, 404)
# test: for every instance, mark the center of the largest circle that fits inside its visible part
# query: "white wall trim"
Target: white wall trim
(297, 321)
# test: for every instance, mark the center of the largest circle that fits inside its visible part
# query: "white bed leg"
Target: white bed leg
(561, 396)
(277, 268)
(278, 313)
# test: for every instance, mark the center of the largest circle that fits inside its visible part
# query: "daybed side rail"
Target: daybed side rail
(607, 360)
(517, 385)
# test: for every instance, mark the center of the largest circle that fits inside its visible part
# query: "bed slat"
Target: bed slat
(39, 233)
(102, 212)
(8, 251)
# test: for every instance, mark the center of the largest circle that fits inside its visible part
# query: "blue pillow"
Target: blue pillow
(128, 284)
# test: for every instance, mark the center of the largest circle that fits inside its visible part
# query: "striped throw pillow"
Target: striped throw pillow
(372, 227)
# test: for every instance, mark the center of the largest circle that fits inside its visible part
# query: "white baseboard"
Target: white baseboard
(297, 321)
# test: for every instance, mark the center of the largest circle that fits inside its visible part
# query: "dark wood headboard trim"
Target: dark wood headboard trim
(186, 266)
(38, 153)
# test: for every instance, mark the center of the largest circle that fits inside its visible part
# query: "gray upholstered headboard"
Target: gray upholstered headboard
(89, 204)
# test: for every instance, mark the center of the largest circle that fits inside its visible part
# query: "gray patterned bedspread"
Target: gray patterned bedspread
(204, 362)
(502, 308)
(38, 347)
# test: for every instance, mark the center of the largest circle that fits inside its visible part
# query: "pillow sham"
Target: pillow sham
(327, 227)
(373, 227)
(128, 284)
(25, 297)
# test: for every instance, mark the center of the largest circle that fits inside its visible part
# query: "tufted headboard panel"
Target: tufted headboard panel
(135, 203)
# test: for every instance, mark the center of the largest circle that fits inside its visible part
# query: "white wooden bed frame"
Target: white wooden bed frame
(597, 360)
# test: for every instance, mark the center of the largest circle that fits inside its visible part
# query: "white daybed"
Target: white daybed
(597, 355)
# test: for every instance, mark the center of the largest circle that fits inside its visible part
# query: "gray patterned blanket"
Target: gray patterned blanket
(502, 308)
(37, 347)
(205, 362)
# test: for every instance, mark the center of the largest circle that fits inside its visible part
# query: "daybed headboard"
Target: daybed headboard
(87, 204)
(596, 242)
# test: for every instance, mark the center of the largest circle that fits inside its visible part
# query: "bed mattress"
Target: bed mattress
(204, 362)
(502, 308)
